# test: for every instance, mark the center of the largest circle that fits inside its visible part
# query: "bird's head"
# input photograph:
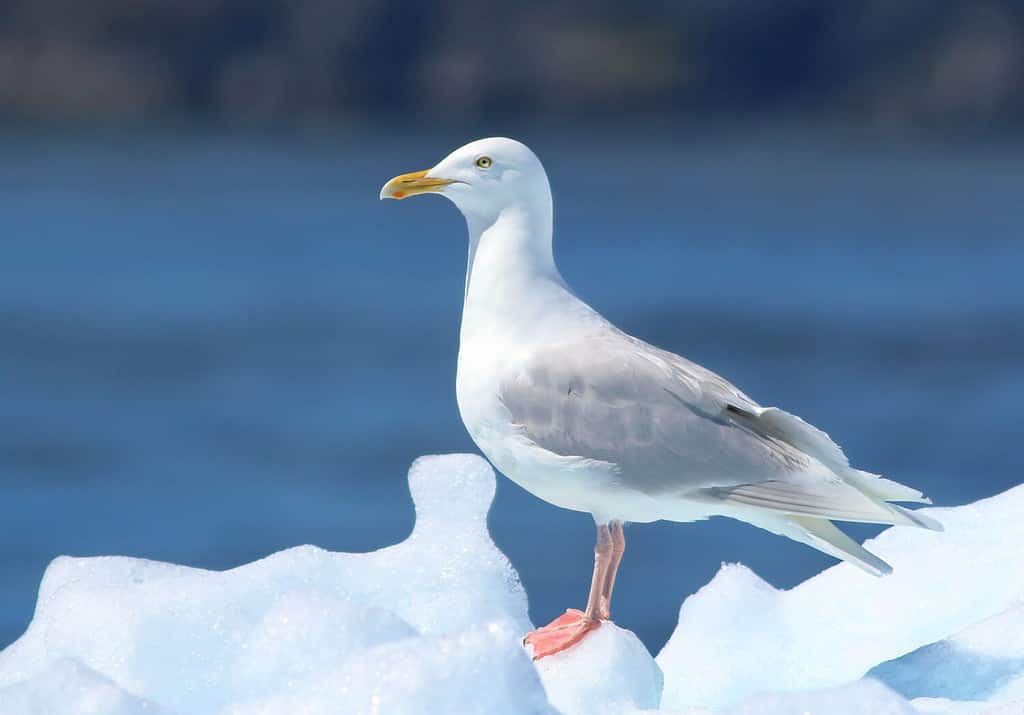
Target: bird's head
(481, 178)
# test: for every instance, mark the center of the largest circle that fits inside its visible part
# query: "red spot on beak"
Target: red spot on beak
(399, 194)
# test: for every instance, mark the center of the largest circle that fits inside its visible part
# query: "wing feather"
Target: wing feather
(837, 500)
(659, 418)
(779, 424)
(673, 427)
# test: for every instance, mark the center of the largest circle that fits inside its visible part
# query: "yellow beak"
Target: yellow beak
(417, 182)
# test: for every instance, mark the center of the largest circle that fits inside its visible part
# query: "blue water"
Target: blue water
(215, 344)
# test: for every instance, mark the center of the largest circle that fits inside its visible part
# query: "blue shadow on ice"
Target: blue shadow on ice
(944, 670)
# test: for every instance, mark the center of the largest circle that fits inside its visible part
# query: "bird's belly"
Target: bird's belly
(570, 483)
(569, 489)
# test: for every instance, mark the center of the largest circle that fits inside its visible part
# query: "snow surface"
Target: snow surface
(434, 625)
(617, 675)
(835, 627)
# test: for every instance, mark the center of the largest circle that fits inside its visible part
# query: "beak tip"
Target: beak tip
(412, 184)
(389, 193)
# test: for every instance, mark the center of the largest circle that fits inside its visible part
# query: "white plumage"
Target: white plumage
(591, 419)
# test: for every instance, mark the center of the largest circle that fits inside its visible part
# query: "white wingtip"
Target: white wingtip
(916, 518)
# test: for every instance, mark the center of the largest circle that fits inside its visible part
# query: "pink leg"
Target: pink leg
(570, 628)
(618, 536)
(603, 556)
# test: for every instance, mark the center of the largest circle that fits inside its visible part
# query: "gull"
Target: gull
(589, 418)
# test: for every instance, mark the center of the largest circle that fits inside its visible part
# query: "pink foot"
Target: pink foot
(564, 632)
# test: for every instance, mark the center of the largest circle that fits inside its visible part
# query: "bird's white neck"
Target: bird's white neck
(512, 288)
(510, 261)
(514, 245)
(515, 295)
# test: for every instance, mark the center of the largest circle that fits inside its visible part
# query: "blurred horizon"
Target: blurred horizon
(916, 63)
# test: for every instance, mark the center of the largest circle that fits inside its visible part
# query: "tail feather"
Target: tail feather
(809, 439)
(882, 488)
(823, 535)
(840, 501)
(803, 511)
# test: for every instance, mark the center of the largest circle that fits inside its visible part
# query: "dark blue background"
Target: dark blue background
(215, 345)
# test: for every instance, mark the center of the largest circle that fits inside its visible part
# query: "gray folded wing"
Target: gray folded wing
(668, 424)
(672, 427)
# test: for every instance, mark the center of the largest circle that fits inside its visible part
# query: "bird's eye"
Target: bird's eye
(484, 162)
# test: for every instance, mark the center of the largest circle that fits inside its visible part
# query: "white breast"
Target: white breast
(501, 327)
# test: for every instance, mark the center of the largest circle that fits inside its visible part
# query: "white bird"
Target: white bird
(589, 418)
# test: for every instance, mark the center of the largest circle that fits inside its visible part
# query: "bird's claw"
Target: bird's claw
(562, 633)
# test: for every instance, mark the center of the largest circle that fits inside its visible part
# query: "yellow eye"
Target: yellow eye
(484, 162)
